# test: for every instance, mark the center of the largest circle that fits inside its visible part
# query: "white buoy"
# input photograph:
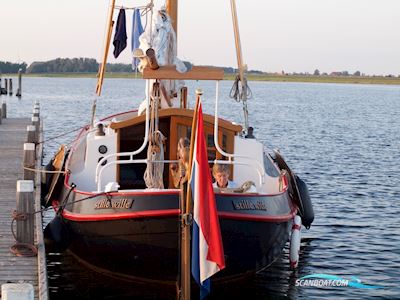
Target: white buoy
(295, 240)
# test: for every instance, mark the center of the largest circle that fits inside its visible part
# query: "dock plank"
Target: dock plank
(13, 135)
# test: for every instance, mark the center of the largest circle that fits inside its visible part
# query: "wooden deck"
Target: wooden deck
(13, 269)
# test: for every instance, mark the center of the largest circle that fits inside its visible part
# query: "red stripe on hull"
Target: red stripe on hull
(117, 216)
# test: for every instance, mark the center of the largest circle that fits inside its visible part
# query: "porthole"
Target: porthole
(103, 149)
(104, 162)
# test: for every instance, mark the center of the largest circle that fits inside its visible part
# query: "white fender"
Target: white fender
(295, 240)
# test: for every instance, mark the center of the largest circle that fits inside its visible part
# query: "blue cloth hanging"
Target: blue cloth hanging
(120, 36)
(137, 30)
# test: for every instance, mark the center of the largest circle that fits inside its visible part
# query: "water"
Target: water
(343, 140)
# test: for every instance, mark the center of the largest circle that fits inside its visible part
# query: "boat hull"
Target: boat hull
(140, 241)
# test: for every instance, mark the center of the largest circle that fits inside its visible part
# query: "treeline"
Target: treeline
(65, 65)
(7, 67)
(77, 65)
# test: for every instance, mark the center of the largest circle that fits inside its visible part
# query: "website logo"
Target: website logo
(325, 280)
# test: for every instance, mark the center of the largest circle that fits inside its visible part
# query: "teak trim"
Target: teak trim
(196, 73)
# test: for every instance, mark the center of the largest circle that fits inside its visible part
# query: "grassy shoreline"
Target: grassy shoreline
(251, 77)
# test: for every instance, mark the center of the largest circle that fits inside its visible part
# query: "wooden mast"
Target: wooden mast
(102, 69)
(241, 66)
(184, 276)
(172, 11)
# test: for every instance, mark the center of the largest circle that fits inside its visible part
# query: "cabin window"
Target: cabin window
(224, 141)
(210, 140)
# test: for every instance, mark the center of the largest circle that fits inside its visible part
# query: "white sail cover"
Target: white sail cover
(161, 36)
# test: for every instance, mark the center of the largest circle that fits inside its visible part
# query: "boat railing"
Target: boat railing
(259, 167)
(146, 161)
(104, 159)
(103, 164)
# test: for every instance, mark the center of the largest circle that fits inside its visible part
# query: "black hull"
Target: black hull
(152, 253)
(140, 240)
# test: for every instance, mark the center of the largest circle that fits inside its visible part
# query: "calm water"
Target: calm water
(343, 140)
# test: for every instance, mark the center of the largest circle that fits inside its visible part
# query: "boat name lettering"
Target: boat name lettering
(117, 203)
(249, 205)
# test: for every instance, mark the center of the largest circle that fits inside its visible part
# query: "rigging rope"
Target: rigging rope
(240, 92)
(153, 175)
(63, 134)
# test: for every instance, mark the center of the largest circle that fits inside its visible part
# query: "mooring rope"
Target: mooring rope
(44, 171)
(29, 250)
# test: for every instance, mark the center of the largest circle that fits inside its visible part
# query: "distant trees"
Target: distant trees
(65, 65)
(7, 67)
(316, 72)
(357, 73)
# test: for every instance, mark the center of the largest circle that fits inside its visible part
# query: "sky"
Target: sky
(276, 35)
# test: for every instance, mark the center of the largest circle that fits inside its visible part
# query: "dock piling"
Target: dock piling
(35, 122)
(25, 206)
(31, 134)
(10, 90)
(6, 86)
(29, 161)
(19, 89)
(4, 110)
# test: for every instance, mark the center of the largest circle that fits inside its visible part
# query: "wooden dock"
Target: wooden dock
(19, 269)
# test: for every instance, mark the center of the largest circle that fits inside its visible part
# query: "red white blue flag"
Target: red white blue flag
(207, 249)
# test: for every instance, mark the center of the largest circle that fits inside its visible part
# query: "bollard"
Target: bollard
(25, 205)
(4, 110)
(17, 291)
(31, 134)
(29, 161)
(35, 112)
(19, 90)
(10, 90)
(35, 122)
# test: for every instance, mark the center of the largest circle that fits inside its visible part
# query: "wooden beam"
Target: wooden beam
(196, 73)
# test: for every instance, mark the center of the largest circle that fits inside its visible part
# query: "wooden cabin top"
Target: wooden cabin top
(180, 113)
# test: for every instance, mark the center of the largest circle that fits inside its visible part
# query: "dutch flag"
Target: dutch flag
(207, 249)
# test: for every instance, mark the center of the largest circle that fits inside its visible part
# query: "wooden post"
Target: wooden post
(29, 161)
(35, 122)
(31, 134)
(0, 115)
(10, 91)
(35, 112)
(4, 110)
(19, 90)
(6, 85)
(184, 97)
(25, 205)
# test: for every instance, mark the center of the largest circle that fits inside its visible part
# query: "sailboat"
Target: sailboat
(118, 208)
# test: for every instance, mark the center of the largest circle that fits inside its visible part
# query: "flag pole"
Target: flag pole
(185, 277)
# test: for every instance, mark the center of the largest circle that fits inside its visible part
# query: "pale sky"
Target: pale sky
(289, 35)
